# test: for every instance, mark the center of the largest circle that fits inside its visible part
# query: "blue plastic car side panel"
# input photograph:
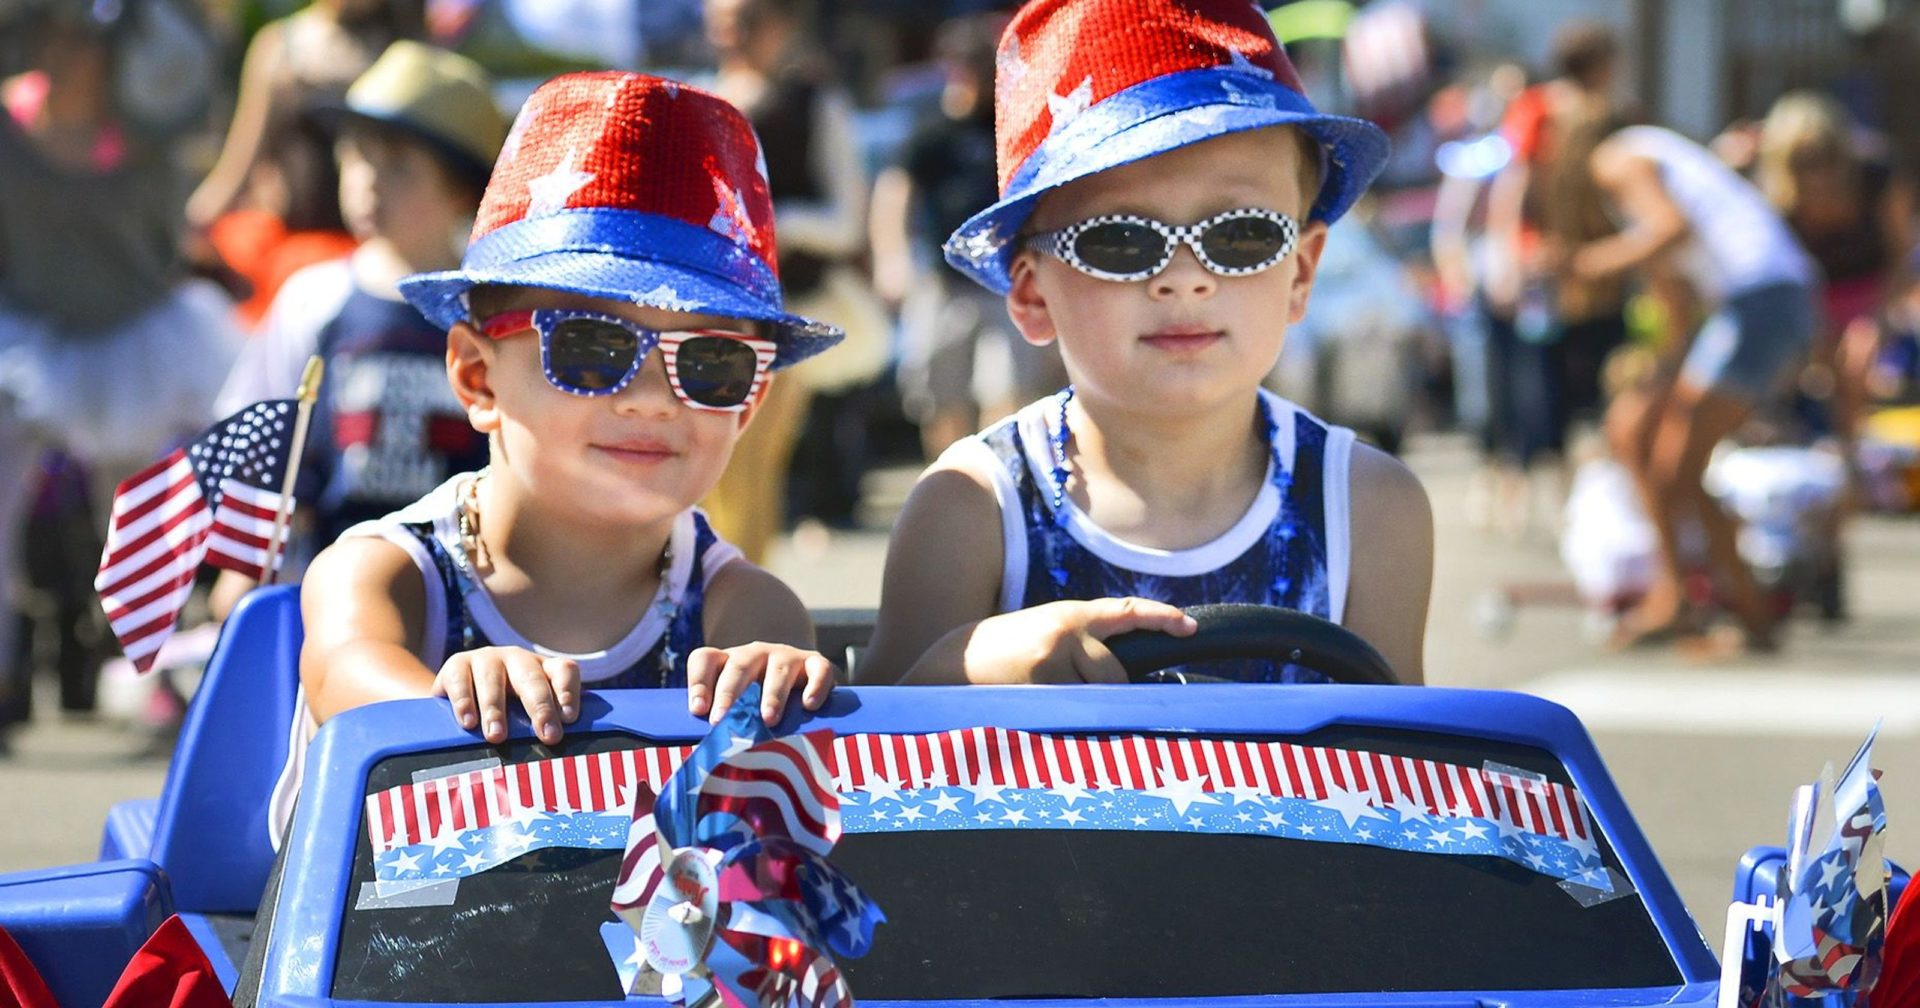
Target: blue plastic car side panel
(210, 830)
(301, 960)
(82, 923)
(129, 829)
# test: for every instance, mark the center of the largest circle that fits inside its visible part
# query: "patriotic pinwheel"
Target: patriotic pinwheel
(726, 879)
(1831, 915)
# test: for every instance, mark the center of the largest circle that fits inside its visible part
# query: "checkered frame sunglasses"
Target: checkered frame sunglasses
(1127, 247)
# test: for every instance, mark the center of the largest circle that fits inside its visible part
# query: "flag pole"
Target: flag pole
(309, 394)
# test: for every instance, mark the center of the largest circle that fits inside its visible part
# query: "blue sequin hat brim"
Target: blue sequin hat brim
(1154, 117)
(623, 255)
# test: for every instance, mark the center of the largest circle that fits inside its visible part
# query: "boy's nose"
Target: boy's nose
(648, 394)
(1183, 277)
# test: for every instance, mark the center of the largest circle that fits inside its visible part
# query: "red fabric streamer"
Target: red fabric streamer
(1899, 984)
(20, 982)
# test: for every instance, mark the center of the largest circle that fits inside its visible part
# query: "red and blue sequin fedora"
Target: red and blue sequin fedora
(1087, 85)
(631, 188)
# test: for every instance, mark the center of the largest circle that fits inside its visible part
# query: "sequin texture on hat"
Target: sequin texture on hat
(631, 188)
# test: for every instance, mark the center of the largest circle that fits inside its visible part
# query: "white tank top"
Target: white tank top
(1739, 242)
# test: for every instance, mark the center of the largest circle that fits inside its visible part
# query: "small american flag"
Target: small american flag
(213, 501)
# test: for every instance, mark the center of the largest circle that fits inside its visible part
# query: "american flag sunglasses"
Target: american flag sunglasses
(1127, 247)
(593, 354)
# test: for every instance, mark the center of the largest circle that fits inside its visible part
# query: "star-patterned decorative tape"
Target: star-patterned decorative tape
(992, 778)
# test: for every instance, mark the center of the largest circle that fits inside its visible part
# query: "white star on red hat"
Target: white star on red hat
(1239, 63)
(549, 193)
(1067, 107)
(730, 217)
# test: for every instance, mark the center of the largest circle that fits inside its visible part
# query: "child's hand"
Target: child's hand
(715, 678)
(478, 683)
(1063, 642)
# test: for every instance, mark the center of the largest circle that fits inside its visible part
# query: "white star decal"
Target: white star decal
(1073, 816)
(550, 192)
(471, 863)
(945, 803)
(912, 813)
(1471, 830)
(1184, 793)
(1139, 820)
(1352, 805)
(526, 816)
(1239, 63)
(983, 817)
(1014, 816)
(1585, 846)
(1245, 793)
(1441, 836)
(1274, 819)
(404, 862)
(985, 791)
(446, 840)
(1070, 793)
(882, 790)
(736, 745)
(1536, 860)
(1410, 810)
(1067, 107)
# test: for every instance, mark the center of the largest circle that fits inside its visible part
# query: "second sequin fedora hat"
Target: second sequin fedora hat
(1082, 86)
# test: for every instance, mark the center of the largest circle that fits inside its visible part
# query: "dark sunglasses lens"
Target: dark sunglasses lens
(715, 371)
(1120, 247)
(1243, 242)
(590, 355)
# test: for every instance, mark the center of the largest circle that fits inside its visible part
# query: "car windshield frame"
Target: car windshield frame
(349, 747)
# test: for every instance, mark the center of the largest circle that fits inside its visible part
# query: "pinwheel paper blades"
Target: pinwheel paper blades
(1833, 910)
(726, 880)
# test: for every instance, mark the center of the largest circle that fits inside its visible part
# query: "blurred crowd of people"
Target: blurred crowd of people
(198, 195)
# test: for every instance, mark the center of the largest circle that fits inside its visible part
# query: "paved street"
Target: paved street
(1706, 756)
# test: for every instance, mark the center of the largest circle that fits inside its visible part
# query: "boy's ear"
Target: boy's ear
(1026, 304)
(470, 356)
(1306, 266)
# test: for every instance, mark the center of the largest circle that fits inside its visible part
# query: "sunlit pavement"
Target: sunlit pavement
(1707, 756)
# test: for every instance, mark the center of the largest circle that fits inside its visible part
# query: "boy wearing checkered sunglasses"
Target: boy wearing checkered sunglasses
(614, 322)
(1166, 189)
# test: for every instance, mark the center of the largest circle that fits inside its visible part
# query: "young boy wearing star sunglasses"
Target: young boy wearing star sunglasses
(1166, 189)
(614, 322)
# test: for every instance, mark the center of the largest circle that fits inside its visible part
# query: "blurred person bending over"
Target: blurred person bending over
(769, 68)
(107, 351)
(417, 134)
(1683, 206)
(267, 206)
(1854, 214)
(964, 362)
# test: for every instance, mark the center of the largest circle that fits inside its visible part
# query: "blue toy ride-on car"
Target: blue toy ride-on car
(1233, 845)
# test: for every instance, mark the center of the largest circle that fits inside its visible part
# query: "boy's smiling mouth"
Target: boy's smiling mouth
(640, 450)
(1183, 339)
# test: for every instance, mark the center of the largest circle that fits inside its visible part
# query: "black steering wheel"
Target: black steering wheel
(1253, 631)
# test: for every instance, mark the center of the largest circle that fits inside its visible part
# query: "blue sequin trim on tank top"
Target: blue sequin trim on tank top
(1286, 566)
